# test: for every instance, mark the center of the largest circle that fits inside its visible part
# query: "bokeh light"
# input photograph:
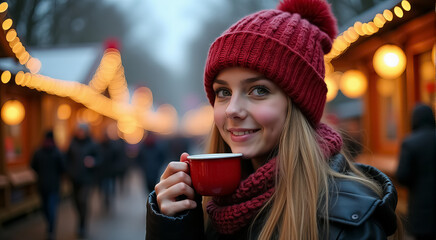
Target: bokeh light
(6, 76)
(389, 61)
(64, 111)
(13, 112)
(353, 83)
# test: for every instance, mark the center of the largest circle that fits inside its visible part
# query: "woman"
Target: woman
(264, 77)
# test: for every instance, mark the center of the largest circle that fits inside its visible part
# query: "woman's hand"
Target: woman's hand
(175, 182)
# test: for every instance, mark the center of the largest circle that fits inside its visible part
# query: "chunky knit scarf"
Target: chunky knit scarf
(229, 214)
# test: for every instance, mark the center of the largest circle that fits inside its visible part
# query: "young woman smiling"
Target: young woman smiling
(264, 77)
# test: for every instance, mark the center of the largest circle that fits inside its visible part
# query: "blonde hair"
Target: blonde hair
(303, 169)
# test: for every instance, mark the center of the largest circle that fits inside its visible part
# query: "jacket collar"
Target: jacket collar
(352, 203)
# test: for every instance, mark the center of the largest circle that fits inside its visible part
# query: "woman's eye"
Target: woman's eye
(260, 91)
(222, 93)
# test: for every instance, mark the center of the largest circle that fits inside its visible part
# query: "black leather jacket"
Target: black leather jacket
(355, 212)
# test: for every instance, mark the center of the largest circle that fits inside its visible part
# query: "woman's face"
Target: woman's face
(249, 112)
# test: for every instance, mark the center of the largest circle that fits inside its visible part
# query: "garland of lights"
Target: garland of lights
(353, 33)
(110, 75)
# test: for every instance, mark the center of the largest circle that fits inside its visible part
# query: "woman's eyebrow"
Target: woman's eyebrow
(247, 80)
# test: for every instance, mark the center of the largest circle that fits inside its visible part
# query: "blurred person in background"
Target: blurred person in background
(49, 165)
(82, 159)
(417, 171)
(110, 154)
(151, 156)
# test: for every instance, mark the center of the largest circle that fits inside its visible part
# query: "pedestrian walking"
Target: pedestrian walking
(417, 172)
(264, 77)
(106, 171)
(152, 154)
(82, 159)
(49, 165)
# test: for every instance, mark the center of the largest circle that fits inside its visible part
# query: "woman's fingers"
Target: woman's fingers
(174, 167)
(184, 157)
(172, 208)
(174, 192)
(168, 201)
(174, 179)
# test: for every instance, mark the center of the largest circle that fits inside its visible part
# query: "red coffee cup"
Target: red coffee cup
(215, 174)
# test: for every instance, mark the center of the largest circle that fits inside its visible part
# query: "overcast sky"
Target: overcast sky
(174, 24)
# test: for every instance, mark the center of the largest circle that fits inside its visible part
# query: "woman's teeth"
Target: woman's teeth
(243, 133)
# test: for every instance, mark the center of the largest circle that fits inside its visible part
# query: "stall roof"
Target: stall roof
(72, 63)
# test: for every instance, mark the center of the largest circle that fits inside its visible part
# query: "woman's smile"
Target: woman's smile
(249, 111)
(241, 135)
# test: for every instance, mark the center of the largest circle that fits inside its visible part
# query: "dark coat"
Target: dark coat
(78, 150)
(417, 171)
(151, 156)
(49, 165)
(355, 212)
(112, 159)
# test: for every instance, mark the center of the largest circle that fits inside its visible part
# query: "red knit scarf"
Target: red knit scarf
(230, 213)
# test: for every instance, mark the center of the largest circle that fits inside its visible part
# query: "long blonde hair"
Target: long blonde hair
(302, 180)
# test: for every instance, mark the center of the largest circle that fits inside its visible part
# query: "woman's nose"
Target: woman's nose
(236, 107)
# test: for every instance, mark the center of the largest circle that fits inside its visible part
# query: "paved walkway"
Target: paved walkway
(125, 221)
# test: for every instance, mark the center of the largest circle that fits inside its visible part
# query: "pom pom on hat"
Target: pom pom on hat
(317, 12)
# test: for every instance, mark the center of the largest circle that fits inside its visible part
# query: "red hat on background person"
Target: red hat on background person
(287, 45)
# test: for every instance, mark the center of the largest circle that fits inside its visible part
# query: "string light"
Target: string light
(388, 15)
(406, 5)
(360, 29)
(7, 24)
(110, 75)
(398, 12)
(3, 7)
(6, 76)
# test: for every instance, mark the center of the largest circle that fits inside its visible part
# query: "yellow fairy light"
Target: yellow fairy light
(6, 76)
(379, 20)
(365, 29)
(398, 12)
(352, 33)
(11, 35)
(17, 48)
(14, 42)
(347, 37)
(372, 27)
(358, 28)
(26, 79)
(3, 7)
(406, 5)
(343, 44)
(23, 58)
(7, 24)
(388, 15)
(19, 77)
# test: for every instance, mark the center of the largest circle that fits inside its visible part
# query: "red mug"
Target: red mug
(216, 174)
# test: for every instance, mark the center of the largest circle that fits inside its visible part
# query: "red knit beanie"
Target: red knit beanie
(286, 45)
